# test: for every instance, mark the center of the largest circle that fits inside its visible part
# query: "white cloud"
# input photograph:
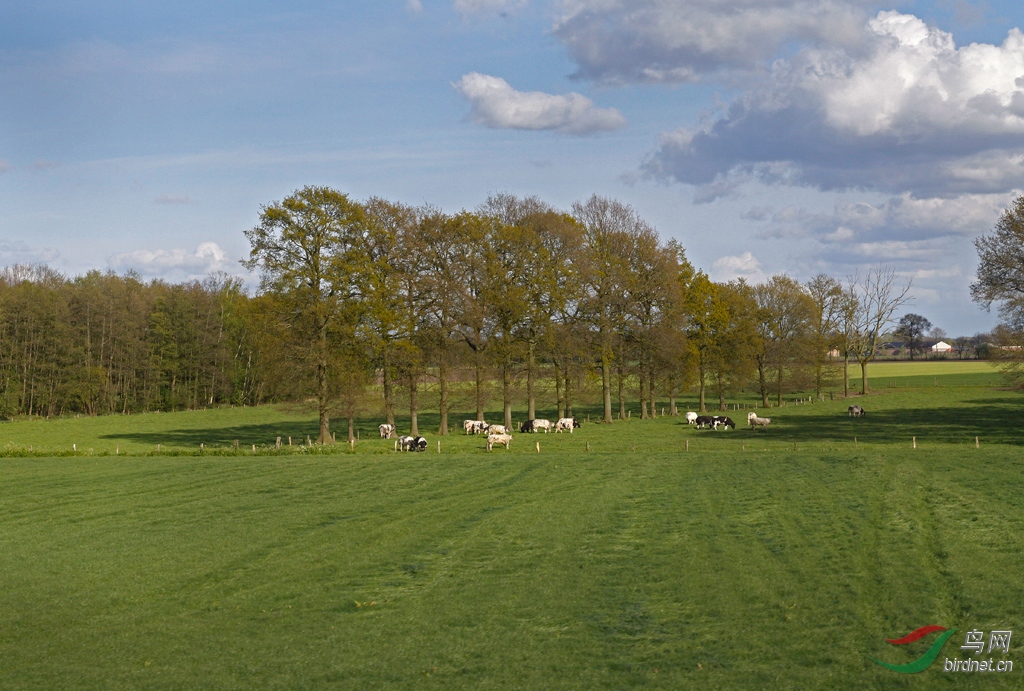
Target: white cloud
(910, 112)
(18, 252)
(498, 105)
(744, 266)
(624, 41)
(414, 5)
(207, 257)
(466, 7)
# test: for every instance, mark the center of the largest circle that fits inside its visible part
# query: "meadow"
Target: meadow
(663, 557)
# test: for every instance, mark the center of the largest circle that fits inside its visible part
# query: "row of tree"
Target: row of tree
(380, 291)
(102, 343)
(361, 304)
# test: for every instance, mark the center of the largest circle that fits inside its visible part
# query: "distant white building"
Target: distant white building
(941, 347)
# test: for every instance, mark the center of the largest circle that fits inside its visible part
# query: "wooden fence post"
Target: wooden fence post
(915, 442)
(278, 443)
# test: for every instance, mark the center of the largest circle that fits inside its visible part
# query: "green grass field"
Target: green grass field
(753, 560)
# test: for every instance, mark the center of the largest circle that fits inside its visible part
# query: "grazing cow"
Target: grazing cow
(497, 429)
(691, 418)
(474, 426)
(703, 421)
(493, 439)
(526, 426)
(386, 431)
(722, 421)
(408, 443)
(855, 411)
(566, 423)
(542, 425)
(756, 421)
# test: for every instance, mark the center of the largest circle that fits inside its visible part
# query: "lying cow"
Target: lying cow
(386, 431)
(493, 439)
(411, 443)
(855, 411)
(566, 423)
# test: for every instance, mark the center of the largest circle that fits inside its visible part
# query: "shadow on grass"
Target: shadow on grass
(266, 434)
(993, 421)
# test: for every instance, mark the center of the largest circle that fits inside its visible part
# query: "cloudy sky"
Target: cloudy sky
(793, 136)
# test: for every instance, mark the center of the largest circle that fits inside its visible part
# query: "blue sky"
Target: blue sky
(768, 136)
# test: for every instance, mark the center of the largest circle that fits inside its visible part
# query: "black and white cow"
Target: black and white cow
(722, 421)
(386, 431)
(475, 426)
(855, 411)
(566, 423)
(703, 421)
(408, 443)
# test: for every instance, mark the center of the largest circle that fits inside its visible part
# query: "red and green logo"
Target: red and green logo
(922, 663)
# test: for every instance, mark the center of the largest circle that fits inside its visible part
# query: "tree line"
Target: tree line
(381, 292)
(360, 304)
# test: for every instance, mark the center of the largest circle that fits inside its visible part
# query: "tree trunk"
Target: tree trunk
(531, 402)
(606, 383)
(568, 393)
(442, 381)
(846, 375)
(506, 393)
(762, 384)
(389, 394)
(622, 391)
(672, 410)
(559, 399)
(643, 392)
(322, 395)
(701, 381)
(478, 357)
(414, 406)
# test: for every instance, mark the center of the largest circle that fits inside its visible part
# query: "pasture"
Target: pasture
(780, 559)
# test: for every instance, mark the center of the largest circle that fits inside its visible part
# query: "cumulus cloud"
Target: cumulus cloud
(901, 227)
(497, 105)
(207, 257)
(626, 41)
(744, 266)
(913, 113)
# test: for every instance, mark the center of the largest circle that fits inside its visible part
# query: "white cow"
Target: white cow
(542, 425)
(493, 439)
(497, 429)
(691, 418)
(565, 423)
(386, 430)
(756, 421)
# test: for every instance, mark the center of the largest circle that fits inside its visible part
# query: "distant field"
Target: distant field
(930, 373)
(752, 560)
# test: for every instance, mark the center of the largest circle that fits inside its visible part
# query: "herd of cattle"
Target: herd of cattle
(499, 434)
